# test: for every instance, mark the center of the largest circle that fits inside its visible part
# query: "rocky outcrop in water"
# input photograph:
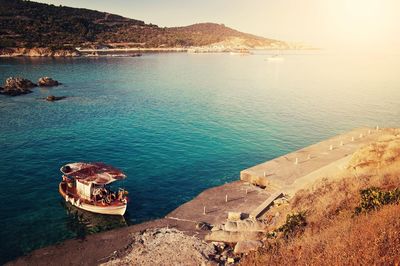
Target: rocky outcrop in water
(52, 98)
(38, 52)
(16, 86)
(47, 82)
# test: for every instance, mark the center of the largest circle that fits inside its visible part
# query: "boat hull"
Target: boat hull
(108, 210)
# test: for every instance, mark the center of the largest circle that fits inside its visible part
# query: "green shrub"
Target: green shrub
(294, 223)
(373, 198)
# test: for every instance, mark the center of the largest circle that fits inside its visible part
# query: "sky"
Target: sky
(328, 24)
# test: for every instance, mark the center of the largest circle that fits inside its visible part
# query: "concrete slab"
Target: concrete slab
(217, 208)
(285, 170)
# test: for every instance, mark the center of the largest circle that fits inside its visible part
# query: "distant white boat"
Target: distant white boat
(275, 58)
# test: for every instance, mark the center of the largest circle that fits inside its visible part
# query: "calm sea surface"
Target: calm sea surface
(175, 123)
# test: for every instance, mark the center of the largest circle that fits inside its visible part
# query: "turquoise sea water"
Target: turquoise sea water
(175, 123)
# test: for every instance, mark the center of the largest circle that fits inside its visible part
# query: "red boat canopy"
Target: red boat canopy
(98, 173)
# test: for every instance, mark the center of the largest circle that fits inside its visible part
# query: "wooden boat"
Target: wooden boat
(85, 185)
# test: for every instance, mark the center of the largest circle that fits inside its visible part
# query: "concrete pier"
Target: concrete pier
(283, 175)
(242, 197)
(285, 170)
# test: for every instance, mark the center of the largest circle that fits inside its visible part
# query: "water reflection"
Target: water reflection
(84, 223)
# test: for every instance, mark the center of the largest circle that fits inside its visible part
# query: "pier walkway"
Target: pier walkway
(212, 205)
(284, 171)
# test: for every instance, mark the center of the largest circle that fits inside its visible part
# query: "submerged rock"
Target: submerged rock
(16, 86)
(52, 98)
(48, 82)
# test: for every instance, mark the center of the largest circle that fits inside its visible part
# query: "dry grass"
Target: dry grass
(333, 235)
(364, 240)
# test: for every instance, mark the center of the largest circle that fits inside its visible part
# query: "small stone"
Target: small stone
(217, 227)
(225, 253)
(234, 216)
(203, 226)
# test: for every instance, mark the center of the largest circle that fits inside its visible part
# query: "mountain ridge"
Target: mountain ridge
(30, 24)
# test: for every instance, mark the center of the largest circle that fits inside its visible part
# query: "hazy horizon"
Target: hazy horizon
(353, 25)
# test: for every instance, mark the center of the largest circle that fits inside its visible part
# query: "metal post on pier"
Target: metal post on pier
(226, 198)
(341, 143)
(204, 210)
(331, 147)
(296, 161)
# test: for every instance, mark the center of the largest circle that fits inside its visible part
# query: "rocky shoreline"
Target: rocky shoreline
(38, 52)
(94, 52)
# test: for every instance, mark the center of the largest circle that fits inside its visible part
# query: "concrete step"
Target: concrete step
(263, 207)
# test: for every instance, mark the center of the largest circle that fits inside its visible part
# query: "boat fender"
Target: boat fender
(66, 198)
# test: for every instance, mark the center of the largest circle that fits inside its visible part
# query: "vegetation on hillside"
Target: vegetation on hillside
(353, 220)
(31, 24)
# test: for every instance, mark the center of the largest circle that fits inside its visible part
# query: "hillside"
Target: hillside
(351, 219)
(30, 24)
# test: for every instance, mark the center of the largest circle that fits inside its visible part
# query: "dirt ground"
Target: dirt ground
(164, 246)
